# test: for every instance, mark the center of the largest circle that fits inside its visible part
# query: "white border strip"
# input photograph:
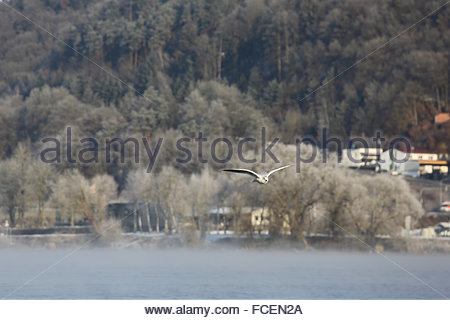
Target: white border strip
(255, 309)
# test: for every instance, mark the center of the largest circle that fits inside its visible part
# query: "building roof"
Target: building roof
(445, 225)
(414, 150)
(441, 118)
(434, 162)
(228, 210)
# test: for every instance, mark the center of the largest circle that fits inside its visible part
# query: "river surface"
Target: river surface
(220, 274)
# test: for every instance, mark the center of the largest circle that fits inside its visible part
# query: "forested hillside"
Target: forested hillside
(265, 57)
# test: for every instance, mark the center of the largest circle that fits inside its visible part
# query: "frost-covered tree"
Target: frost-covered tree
(14, 181)
(291, 197)
(385, 204)
(40, 176)
(340, 191)
(75, 193)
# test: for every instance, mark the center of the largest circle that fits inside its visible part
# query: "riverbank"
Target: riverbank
(161, 240)
(398, 245)
(90, 240)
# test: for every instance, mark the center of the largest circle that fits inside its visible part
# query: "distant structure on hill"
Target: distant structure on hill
(441, 118)
(415, 163)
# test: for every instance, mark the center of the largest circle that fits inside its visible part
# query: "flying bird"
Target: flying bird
(262, 177)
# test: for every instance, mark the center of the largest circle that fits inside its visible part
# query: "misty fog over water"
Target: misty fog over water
(219, 274)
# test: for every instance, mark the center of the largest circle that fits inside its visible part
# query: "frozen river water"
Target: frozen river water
(218, 274)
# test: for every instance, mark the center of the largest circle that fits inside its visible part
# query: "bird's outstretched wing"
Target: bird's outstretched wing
(245, 171)
(278, 169)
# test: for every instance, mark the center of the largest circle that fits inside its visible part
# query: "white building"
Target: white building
(419, 155)
(361, 157)
(398, 162)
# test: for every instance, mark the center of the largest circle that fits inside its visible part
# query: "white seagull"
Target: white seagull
(262, 177)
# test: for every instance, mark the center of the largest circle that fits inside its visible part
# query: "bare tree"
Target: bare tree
(384, 206)
(136, 191)
(76, 193)
(63, 196)
(39, 188)
(339, 193)
(164, 190)
(13, 183)
(290, 197)
(10, 188)
(135, 187)
(202, 196)
(103, 188)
